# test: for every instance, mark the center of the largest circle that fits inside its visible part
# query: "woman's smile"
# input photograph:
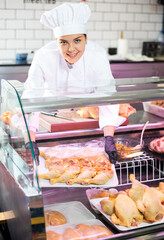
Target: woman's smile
(72, 47)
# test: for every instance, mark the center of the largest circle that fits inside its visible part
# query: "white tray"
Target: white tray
(46, 183)
(154, 109)
(60, 229)
(90, 192)
(96, 204)
(72, 211)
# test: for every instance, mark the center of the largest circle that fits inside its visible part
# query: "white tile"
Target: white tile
(25, 14)
(7, 14)
(103, 7)
(134, 8)
(14, 24)
(7, 54)
(2, 24)
(126, 17)
(16, 4)
(102, 25)
(111, 16)
(2, 4)
(33, 24)
(33, 44)
(118, 26)
(7, 34)
(43, 34)
(147, 26)
(3, 44)
(24, 34)
(95, 35)
(15, 44)
(119, 7)
(133, 26)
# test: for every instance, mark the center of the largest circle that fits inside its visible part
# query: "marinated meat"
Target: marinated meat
(54, 218)
(157, 145)
(83, 167)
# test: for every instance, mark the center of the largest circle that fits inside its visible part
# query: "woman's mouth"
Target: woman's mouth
(72, 56)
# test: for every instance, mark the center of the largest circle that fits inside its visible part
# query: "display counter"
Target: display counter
(27, 196)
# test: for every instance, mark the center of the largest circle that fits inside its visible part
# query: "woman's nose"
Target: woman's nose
(71, 47)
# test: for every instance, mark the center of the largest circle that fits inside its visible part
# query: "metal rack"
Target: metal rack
(145, 167)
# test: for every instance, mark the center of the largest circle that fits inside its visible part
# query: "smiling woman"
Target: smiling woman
(72, 64)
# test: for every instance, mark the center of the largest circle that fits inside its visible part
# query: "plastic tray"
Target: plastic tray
(46, 183)
(96, 204)
(154, 109)
(60, 229)
(72, 211)
(94, 191)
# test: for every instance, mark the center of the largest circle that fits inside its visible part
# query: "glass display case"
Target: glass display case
(28, 199)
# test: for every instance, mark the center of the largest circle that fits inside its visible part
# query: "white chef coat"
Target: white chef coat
(51, 75)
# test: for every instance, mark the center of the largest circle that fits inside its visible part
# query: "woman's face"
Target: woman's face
(72, 47)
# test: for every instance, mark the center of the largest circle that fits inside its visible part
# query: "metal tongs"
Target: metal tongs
(56, 115)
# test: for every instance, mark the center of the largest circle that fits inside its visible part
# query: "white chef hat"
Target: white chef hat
(66, 19)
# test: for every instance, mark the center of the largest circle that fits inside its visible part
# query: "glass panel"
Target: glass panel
(14, 132)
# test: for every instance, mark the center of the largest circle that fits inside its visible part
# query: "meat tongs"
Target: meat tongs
(56, 115)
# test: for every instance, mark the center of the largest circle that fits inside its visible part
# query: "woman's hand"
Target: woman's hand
(110, 149)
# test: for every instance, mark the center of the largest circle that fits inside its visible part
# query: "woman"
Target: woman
(72, 64)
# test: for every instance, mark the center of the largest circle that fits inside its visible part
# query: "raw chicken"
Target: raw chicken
(54, 218)
(86, 173)
(52, 235)
(147, 201)
(107, 205)
(126, 212)
(101, 178)
(101, 231)
(154, 211)
(92, 232)
(136, 192)
(85, 168)
(69, 173)
(71, 234)
(85, 231)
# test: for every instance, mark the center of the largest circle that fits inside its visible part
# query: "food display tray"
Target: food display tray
(154, 109)
(46, 183)
(60, 229)
(72, 211)
(94, 191)
(96, 203)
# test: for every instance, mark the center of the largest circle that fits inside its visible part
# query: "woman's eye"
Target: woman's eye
(77, 40)
(63, 43)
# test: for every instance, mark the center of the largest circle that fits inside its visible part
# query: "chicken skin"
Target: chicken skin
(136, 192)
(69, 173)
(107, 205)
(86, 173)
(101, 178)
(154, 210)
(148, 200)
(126, 212)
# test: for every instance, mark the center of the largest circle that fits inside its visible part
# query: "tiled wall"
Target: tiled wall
(21, 31)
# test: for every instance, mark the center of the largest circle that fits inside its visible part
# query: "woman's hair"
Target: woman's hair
(85, 35)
